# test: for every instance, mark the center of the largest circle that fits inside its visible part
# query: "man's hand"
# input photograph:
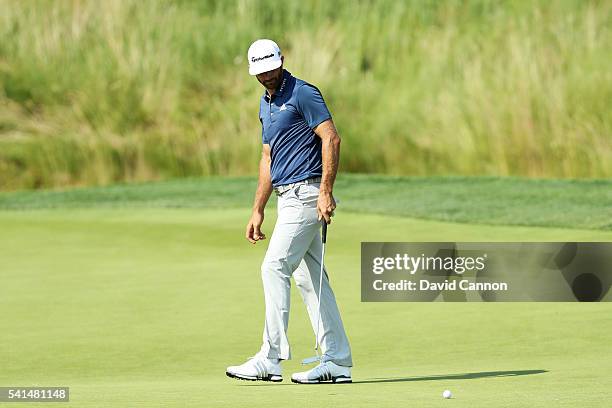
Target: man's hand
(326, 206)
(264, 189)
(253, 228)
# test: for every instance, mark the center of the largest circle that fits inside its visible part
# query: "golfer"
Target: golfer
(299, 162)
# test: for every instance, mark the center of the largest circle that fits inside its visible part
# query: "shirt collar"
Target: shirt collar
(281, 88)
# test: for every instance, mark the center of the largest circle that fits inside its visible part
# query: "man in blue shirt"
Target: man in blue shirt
(299, 162)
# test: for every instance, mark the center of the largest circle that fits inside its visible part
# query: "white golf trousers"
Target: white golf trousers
(295, 250)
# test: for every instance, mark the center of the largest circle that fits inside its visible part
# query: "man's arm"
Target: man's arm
(264, 189)
(330, 154)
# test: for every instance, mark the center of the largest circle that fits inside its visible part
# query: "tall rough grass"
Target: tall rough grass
(96, 92)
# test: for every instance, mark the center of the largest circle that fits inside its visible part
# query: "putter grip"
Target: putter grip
(324, 231)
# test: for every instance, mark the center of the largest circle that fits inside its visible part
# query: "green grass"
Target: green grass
(583, 204)
(146, 308)
(132, 302)
(92, 95)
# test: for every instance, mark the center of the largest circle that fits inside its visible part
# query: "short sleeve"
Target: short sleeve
(312, 106)
(263, 134)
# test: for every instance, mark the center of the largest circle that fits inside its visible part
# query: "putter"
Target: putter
(317, 357)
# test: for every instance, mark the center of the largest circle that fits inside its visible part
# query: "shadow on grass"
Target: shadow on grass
(461, 376)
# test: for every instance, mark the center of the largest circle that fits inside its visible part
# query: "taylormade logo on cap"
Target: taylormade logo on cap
(264, 55)
(255, 59)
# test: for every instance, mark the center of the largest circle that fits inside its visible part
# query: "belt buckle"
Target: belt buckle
(280, 190)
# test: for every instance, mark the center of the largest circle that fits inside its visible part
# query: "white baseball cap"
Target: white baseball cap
(264, 55)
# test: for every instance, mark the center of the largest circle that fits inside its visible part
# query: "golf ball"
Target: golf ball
(447, 394)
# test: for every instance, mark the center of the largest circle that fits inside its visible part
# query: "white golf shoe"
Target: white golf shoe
(327, 372)
(257, 368)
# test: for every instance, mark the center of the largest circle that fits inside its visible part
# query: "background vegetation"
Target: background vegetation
(94, 93)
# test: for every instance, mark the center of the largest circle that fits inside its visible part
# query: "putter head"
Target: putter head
(310, 360)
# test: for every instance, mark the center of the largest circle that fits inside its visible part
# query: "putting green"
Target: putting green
(146, 308)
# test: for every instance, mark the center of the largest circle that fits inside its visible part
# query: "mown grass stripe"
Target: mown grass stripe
(585, 204)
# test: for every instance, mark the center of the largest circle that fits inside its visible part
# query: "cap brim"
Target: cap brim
(262, 67)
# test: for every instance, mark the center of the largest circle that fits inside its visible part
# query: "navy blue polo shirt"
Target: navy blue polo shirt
(288, 120)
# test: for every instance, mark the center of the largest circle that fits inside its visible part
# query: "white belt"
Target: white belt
(281, 189)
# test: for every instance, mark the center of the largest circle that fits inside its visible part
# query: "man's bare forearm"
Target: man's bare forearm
(330, 155)
(264, 186)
